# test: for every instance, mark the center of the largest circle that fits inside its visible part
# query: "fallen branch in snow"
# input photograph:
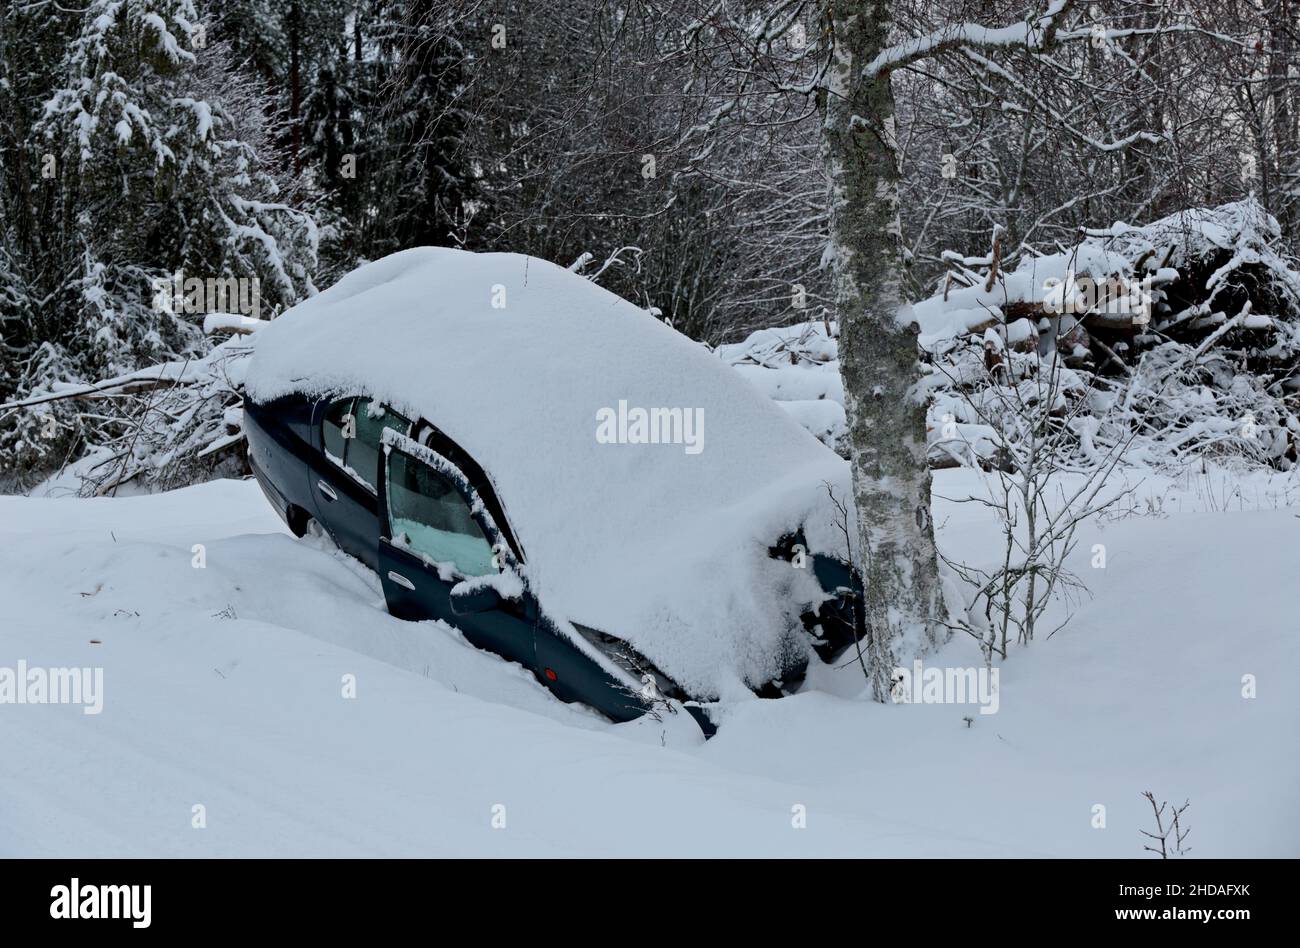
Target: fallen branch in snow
(615, 259)
(131, 384)
(231, 322)
(166, 425)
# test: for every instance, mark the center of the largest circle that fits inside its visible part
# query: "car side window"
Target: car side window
(337, 429)
(371, 418)
(429, 516)
(351, 434)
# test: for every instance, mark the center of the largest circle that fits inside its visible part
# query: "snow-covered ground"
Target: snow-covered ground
(223, 688)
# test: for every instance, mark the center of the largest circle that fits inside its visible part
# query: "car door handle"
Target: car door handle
(401, 580)
(326, 490)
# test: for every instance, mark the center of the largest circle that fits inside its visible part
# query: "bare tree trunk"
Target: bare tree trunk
(295, 86)
(356, 33)
(878, 351)
(1281, 90)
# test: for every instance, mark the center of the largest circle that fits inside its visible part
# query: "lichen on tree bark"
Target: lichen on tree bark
(878, 349)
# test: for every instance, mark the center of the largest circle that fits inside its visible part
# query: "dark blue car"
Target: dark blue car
(352, 435)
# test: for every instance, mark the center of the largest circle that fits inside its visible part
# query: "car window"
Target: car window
(363, 450)
(430, 517)
(336, 420)
(351, 432)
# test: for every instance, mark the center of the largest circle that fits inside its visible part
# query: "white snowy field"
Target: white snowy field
(223, 688)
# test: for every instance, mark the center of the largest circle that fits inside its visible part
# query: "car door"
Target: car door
(433, 537)
(344, 485)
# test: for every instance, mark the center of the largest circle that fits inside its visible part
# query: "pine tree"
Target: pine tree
(254, 32)
(427, 178)
(155, 177)
(339, 144)
(152, 152)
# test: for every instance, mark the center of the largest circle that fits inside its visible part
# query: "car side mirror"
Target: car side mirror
(469, 600)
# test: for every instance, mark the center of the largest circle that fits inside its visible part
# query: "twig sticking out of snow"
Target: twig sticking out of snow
(1175, 829)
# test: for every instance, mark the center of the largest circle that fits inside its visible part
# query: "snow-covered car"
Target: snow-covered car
(560, 475)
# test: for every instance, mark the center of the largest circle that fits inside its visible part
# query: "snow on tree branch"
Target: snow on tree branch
(1033, 34)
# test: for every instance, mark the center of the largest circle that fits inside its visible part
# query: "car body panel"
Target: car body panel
(286, 447)
(281, 455)
(289, 458)
(348, 508)
(507, 630)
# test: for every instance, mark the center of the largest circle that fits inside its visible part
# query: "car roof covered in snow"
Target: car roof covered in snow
(518, 361)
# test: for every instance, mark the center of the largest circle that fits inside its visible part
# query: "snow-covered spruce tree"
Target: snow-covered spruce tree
(384, 127)
(254, 32)
(16, 343)
(342, 145)
(32, 38)
(425, 176)
(157, 150)
(332, 124)
(159, 165)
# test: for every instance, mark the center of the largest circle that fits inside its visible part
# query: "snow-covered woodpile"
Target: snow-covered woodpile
(1181, 337)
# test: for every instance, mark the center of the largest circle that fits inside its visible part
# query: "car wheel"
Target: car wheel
(297, 520)
(315, 534)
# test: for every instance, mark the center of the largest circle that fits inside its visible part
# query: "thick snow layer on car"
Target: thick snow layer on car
(662, 544)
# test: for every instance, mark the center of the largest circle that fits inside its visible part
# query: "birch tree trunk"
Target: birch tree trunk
(878, 350)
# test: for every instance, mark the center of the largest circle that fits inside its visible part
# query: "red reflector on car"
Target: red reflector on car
(550, 674)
